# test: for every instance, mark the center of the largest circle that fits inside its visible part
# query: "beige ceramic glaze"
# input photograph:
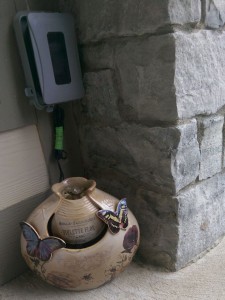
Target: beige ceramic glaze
(75, 219)
(89, 267)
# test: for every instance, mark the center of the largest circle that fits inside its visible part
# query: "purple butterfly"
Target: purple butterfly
(36, 247)
(115, 220)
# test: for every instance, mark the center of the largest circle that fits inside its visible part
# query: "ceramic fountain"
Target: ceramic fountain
(80, 237)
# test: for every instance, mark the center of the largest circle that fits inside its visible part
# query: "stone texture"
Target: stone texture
(101, 97)
(107, 18)
(211, 143)
(145, 76)
(185, 159)
(184, 11)
(158, 221)
(215, 13)
(165, 159)
(98, 57)
(199, 72)
(42, 5)
(175, 230)
(201, 218)
(166, 77)
(140, 75)
(139, 67)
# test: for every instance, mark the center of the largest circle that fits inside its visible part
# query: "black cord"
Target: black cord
(61, 174)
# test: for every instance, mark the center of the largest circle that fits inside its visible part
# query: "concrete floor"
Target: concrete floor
(203, 280)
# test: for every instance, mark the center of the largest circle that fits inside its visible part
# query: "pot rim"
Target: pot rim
(84, 186)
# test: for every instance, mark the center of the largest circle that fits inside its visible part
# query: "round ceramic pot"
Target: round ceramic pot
(88, 266)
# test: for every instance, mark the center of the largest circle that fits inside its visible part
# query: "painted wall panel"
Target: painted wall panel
(23, 169)
(15, 110)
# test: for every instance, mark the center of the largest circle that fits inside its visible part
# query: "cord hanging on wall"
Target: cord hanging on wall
(59, 153)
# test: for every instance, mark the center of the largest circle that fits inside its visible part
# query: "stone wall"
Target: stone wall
(152, 121)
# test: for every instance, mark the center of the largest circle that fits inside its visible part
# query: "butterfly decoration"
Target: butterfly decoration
(115, 220)
(37, 247)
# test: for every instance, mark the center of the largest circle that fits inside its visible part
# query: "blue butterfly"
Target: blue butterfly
(115, 220)
(36, 247)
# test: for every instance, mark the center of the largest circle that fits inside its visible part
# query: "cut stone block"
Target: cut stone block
(184, 11)
(166, 159)
(106, 18)
(156, 80)
(201, 218)
(42, 5)
(98, 57)
(175, 230)
(185, 159)
(158, 221)
(166, 77)
(101, 97)
(199, 72)
(145, 75)
(211, 143)
(215, 13)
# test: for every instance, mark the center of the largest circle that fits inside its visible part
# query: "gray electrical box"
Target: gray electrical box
(49, 54)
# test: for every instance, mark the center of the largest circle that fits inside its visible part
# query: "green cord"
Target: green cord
(59, 138)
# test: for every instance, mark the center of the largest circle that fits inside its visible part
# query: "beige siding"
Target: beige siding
(23, 169)
(11, 262)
